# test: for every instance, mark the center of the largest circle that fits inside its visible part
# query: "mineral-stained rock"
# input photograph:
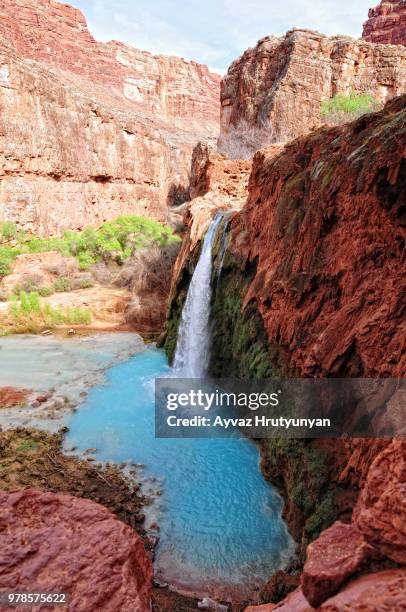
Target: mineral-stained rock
(59, 543)
(9, 396)
(88, 130)
(281, 82)
(380, 513)
(330, 210)
(386, 23)
(213, 172)
(382, 591)
(335, 556)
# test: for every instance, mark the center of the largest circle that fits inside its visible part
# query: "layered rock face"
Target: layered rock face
(386, 23)
(57, 34)
(281, 82)
(88, 130)
(330, 580)
(312, 285)
(331, 210)
(62, 544)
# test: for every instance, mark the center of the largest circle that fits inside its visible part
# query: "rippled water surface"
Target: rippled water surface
(220, 525)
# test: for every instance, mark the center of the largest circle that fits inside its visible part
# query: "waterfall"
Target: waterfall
(193, 345)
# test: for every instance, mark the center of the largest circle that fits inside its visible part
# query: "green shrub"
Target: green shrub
(8, 231)
(114, 241)
(7, 256)
(61, 284)
(28, 313)
(343, 108)
(45, 291)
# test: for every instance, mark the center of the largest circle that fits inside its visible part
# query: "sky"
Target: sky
(215, 32)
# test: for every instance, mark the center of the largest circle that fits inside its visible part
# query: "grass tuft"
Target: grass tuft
(28, 313)
(343, 108)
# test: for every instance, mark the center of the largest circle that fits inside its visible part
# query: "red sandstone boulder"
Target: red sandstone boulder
(385, 591)
(335, 556)
(294, 602)
(380, 513)
(58, 543)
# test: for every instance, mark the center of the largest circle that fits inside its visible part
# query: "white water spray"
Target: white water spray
(193, 345)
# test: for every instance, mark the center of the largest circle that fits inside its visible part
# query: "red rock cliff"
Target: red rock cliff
(325, 226)
(325, 221)
(386, 23)
(91, 130)
(57, 34)
(312, 285)
(282, 81)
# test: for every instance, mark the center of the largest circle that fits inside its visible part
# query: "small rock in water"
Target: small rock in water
(210, 604)
(43, 398)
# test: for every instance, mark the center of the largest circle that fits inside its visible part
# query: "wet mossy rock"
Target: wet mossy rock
(239, 346)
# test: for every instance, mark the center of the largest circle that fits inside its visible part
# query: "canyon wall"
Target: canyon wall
(91, 130)
(281, 82)
(386, 23)
(312, 286)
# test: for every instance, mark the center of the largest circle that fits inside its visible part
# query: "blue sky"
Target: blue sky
(215, 32)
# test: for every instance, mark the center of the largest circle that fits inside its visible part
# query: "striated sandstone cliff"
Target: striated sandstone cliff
(281, 82)
(57, 34)
(386, 23)
(90, 130)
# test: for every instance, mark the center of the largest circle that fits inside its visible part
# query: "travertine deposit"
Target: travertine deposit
(90, 130)
(281, 82)
(386, 23)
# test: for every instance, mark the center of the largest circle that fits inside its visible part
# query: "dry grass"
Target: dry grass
(149, 272)
(243, 140)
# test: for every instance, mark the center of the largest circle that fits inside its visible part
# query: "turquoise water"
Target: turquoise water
(220, 525)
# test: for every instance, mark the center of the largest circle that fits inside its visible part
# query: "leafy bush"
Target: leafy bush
(63, 283)
(114, 241)
(8, 231)
(343, 108)
(7, 256)
(243, 140)
(45, 291)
